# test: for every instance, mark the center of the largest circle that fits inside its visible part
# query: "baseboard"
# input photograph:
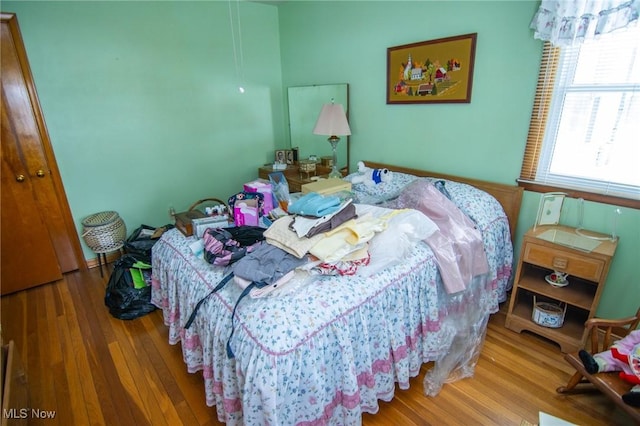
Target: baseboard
(111, 257)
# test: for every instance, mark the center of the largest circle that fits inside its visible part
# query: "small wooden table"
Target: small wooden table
(558, 248)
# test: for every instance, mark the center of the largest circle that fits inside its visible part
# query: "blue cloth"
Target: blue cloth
(314, 204)
(377, 175)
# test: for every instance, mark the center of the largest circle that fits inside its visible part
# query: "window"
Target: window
(584, 136)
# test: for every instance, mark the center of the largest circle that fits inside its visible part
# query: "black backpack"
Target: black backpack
(224, 246)
(140, 242)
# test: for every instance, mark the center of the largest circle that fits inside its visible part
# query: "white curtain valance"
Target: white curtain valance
(565, 22)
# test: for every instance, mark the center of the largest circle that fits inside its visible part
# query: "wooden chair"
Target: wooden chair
(602, 333)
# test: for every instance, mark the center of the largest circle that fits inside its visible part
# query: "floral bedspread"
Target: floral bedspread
(330, 347)
(490, 219)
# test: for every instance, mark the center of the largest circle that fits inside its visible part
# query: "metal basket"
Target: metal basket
(104, 232)
(548, 314)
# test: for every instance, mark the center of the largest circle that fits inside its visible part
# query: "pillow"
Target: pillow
(381, 192)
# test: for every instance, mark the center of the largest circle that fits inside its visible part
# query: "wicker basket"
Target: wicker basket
(217, 201)
(104, 232)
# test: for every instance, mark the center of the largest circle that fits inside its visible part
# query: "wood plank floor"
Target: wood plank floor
(92, 369)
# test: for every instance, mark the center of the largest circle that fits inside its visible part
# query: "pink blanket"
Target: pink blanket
(457, 246)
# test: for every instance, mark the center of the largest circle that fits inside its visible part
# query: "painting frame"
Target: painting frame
(416, 74)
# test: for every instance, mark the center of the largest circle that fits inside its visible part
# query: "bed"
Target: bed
(325, 349)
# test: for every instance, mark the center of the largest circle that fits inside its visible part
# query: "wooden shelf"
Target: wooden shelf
(587, 276)
(568, 336)
(578, 292)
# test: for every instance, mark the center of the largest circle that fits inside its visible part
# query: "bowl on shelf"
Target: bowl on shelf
(557, 279)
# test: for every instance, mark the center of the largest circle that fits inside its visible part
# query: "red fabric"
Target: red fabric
(631, 378)
(617, 355)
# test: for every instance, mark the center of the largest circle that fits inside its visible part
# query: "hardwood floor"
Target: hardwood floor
(92, 369)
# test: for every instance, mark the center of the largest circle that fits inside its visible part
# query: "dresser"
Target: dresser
(295, 178)
(546, 249)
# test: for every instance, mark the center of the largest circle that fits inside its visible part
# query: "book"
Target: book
(326, 186)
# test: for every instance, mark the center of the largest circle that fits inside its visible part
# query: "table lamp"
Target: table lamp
(332, 122)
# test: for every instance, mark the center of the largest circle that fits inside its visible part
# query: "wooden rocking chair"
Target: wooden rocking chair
(603, 333)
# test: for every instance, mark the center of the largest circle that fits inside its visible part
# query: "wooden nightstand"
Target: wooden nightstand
(545, 250)
(294, 178)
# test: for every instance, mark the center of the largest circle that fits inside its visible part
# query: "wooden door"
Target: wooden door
(39, 241)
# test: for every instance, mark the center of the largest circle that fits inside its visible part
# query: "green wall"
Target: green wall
(143, 110)
(346, 42)
(335, 42)
(142, 103)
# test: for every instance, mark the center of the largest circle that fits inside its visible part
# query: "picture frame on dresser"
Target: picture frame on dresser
(289, 156)
(550, 208)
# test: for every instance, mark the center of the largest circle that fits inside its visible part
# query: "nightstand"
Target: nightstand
(559, 248)
(295, 179)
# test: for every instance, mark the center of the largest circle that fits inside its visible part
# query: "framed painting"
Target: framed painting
(433, 71)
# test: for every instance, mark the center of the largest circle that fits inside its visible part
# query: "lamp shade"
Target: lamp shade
(332, 121)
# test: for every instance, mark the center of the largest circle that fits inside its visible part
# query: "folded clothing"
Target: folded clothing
(348, 265)
(310, 226)
(314, 204)
(348, 237)
(279, 235)
(266, 265)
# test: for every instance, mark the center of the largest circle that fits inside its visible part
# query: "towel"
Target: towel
(314, 204)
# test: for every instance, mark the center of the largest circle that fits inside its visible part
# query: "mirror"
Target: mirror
(305, 103)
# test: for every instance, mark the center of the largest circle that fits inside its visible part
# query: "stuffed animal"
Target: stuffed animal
(370, 176)
(624, 356)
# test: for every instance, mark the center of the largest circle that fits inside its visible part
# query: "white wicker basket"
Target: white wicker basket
(104, 232)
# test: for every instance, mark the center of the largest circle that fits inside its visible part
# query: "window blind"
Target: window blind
(584, 126)
(540, 111)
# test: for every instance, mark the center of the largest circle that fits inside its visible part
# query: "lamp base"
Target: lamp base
(335, 173)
